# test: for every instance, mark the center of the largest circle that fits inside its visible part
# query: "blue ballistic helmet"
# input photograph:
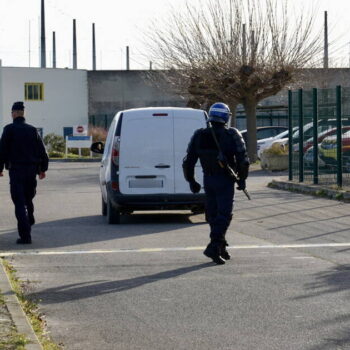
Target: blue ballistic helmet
(219, 112)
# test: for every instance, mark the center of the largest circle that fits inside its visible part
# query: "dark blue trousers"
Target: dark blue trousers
(219, 190)
(23, 189)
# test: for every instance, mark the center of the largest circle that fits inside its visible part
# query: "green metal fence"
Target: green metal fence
(101, 120)
(319, 146)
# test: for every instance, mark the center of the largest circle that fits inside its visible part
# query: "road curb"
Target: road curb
(17, 314)
(315, 190)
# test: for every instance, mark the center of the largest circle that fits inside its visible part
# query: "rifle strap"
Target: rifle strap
(215, 138)
(228, 168)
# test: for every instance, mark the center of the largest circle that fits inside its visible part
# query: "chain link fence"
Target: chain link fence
(319, 146)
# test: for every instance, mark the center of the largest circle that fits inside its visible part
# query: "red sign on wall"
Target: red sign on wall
(80, 130)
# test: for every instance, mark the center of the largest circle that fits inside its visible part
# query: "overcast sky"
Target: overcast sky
(118, 23)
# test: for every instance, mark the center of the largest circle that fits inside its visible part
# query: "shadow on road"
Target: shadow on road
(78, 291)
(328, 283)
(91, 229)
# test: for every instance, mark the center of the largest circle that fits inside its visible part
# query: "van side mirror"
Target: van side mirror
(97, 147)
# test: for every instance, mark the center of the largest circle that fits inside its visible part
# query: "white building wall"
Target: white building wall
(65, 97)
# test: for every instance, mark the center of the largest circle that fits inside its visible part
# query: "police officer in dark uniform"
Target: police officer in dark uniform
(218, 184)
(22, 152)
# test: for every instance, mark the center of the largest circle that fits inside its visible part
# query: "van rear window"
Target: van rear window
(119, 126)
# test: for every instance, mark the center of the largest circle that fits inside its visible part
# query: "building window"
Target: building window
(34, 91)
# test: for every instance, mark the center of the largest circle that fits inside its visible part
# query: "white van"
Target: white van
(141, 167)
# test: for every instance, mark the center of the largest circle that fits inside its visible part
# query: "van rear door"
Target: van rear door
(186, 121)
(146, 152)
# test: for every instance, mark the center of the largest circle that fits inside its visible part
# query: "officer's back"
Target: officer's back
(22, 146)
(23, 153)
(205, 147)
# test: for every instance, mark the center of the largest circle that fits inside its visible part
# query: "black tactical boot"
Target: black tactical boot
(27, 240)
(224, 253)
(213, 252)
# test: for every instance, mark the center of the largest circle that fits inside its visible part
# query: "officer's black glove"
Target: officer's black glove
(241, 185)
(195, 186)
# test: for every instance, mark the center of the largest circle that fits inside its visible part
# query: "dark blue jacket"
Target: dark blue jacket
(21, 145)
(203, 147)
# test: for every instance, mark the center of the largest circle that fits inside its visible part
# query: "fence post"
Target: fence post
(339, 138)
(315, 134)
(290, 135)
(301, 135)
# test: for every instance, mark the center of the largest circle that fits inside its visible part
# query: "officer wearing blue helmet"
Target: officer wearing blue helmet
(218, 140)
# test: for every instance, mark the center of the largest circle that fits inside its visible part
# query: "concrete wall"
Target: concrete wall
(312, 78)
(112, 91)
(65, 97)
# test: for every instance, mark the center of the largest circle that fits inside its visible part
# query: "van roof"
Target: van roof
(162, 109)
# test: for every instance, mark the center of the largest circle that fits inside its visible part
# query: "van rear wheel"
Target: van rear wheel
(113, 215)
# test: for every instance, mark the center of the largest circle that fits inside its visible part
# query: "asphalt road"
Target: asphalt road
(145, 284)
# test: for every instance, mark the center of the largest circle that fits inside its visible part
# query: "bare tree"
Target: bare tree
(235, 51)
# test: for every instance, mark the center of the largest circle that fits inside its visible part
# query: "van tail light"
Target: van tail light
(115, 151)
(115, 186)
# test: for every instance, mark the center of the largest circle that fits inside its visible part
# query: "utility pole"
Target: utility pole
(53, 49)
(74, 45)
(29, 42)
(43, 39)
(325, 60)
(150, 65)
(252, 47)
(127, 58)
(231, 29)
(244, 44)
(93, 47)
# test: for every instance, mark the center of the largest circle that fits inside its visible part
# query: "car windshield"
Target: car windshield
(307, 129)
(329, 131)
(282, 135)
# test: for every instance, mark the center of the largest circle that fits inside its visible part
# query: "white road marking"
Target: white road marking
(175, 249)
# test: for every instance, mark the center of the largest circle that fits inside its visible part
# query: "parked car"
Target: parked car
(329, 132)
(328, 148)
(267, 143)
(324, 124)
(309, 158)
(141, 167)
(263, 132)
(309, 148)
(321, 136)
